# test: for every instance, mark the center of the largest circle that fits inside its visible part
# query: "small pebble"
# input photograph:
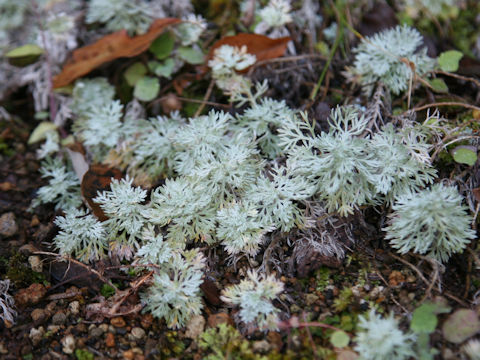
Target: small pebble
(220, 318)
(74, 307)
(68, 344)
(81, 328)
(30, 296)
(8, 225)
(121, 331)
(36, 335)
(53, 329)
(118, 322)
(129, 355)
(195, 327)
(138, 333)
(3, 348)
(110, 340)
(95, 332)
(38, 315)
(104, 327)
(59, 318)
(262, 346)
(35, 263)
(146, 321)
(35, 221)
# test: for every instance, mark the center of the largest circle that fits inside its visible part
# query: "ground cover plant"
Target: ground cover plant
(253, 180)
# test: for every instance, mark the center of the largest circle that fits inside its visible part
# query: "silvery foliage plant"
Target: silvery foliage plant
(385, 57)
(254, 295)
(380, 338)
(431, 221)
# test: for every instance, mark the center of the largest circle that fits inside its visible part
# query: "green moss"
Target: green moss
(82, 354)
(20, 273)
(224, 342)
(323, 278)
(170, 345)
(107, 291)
(343, 300)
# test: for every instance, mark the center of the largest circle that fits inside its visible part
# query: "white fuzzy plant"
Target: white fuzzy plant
(175, 292)
(123, 207)
(380, 338)
(386, 56)
(221, 190)
(254, 295)
(349, 169)
(81, 235)
(63, 188)
(226, 61)
(431, 221)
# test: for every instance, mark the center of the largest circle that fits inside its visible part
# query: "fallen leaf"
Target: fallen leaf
(108, 48)
(98, 178)
(476, 194)
(263, 47)
(79, 163)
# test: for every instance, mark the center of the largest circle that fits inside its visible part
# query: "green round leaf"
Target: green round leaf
(24, 55)
(163, 45)
(424, 320)
(448, 60)
(134, 73)
(165, 68)
(25, 50)
(465, 155)
(191, 55)
(439, 86)
(339, 339)
(41, 130)
(147, 88)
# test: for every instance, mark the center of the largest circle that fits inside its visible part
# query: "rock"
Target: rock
(53, 329)
(35, 221)
(35, 263)
(68, 344)
(138, 353)
(396, 278)
(310, 299)
(81, 328)
(195, 327)
(118, 322)
(146, 321)
(104, 327)
(110, 340)
(38, 315)
(3, 348)
(30, 296)
(461, 325)
(95, 332)
(50, 308)
(59, 318)
(74, 307)
(220, 318)
(138, 333)
(36, 335)
(345, 354)
(261, 346)
(8, 225)
(129, 355)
